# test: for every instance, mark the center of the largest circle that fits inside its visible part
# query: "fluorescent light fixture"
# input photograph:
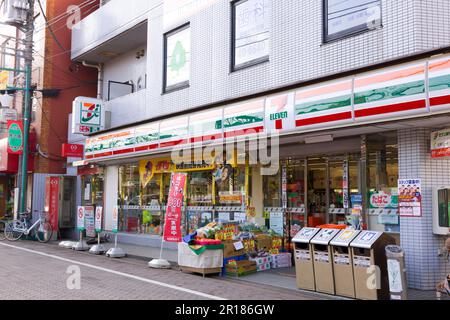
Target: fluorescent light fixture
(319, 139)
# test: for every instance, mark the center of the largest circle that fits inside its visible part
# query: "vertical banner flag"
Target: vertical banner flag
(172, 224)
(52, 185)
(98, 219)
(80, 219)
(115, 220)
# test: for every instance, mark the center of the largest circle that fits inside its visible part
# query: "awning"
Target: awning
(9, 163)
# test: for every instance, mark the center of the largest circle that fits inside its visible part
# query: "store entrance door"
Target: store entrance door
(318, 192)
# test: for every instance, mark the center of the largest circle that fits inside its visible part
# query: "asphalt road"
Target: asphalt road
(33, 271)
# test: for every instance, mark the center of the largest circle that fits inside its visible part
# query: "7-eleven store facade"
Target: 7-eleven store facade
(343, 146)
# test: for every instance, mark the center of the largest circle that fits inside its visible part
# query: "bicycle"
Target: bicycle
(3, 223)
(15, 229)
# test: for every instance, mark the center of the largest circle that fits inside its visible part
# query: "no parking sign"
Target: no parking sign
(98, 219)
(80, 219)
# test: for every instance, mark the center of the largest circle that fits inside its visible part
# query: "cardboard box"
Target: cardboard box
(261, 260)
(241, 268)
(277, 265)
(230, 251)
(263, 267)
(263, 242)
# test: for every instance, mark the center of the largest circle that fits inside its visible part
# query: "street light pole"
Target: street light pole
(26, 111)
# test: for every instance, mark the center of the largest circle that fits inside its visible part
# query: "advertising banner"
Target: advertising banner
(383, 199)
(172, 223)
(72, 150)
(80, 219)
(98, 219)
(15, 137)
(52, 200)
(410, 197)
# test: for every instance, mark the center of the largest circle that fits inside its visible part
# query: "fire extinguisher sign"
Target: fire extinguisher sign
(98, 219)
(80, 219)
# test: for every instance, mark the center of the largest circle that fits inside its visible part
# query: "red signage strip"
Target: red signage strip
(72, 150)
(172, 223)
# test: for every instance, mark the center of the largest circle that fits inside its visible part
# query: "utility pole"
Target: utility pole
(26, 110)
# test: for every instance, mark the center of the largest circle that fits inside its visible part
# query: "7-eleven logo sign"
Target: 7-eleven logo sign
(90, 114)
(280, 112)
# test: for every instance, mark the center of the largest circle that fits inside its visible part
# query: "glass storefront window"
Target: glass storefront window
(272, 191)
(383, 179)
(231, 187)
(317, 191)
(139, 206)
(92, 188)
(200, 188)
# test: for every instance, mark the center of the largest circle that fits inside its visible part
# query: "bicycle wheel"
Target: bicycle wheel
(44, 233)
(14, 230)
(2, 230)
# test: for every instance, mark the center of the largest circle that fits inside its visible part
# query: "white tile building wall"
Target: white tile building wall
(425, 268)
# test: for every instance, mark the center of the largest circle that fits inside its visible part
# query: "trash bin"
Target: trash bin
(304, 266)
(370, 265)
(343, 263)
(398, 288)
(323, 262)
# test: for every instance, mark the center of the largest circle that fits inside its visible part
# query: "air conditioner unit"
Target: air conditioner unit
(7, 114)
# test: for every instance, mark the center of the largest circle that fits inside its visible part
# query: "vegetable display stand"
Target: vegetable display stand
(204, 260)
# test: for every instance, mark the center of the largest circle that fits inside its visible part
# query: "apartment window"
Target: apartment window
(250, 32)
(177, 58)
(347, 17)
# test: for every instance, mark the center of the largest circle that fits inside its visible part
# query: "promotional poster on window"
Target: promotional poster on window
(410, 197)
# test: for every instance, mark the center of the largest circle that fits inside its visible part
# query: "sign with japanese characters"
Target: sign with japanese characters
(172, 224)
(440, 144)
(115, 220)
(410, 197)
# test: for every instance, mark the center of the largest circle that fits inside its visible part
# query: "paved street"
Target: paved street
(35, 271)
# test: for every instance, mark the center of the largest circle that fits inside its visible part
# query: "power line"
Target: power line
(50, 28)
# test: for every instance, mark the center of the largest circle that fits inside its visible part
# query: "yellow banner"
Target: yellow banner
(4, 79)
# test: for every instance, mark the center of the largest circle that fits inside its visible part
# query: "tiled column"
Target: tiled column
(425, 269)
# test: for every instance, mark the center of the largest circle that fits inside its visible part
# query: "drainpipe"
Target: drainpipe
(99, 67)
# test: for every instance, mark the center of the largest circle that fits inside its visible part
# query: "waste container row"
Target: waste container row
(349, 263)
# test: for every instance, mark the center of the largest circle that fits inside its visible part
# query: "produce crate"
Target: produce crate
(242, 268)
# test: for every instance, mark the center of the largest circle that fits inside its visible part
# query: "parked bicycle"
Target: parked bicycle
(42, 229)
(3, 223)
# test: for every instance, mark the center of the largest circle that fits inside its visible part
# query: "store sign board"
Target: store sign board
(410, 197)
(72, 150)
(244, 119)
(81, 219)
(172, 223)
(328, 105)
(173, 132)
(280, 113)
(15, 137)
(88, 115)
(440, 144)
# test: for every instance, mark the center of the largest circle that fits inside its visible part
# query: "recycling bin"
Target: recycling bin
(323, 262)
(343, 263)
(370, 265)
(396, 273)
(304, 266)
